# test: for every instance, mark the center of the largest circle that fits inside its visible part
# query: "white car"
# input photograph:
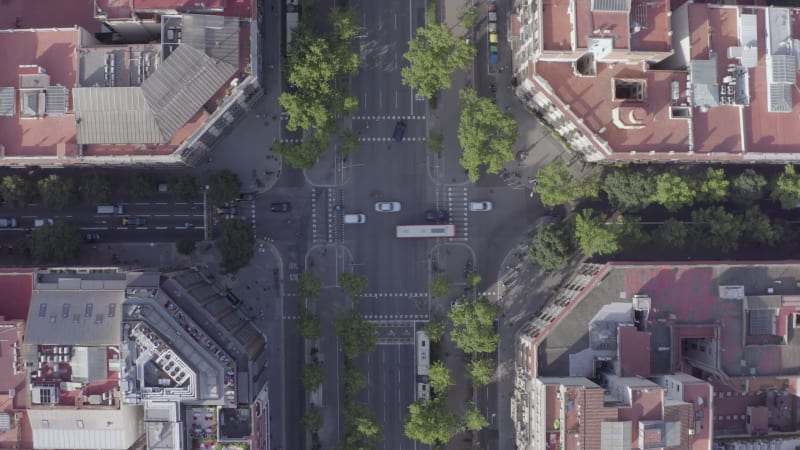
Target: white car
(387, 206)
(480, 206)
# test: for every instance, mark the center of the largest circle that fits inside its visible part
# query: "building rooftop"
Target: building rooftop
(90, 318)
(86, 428)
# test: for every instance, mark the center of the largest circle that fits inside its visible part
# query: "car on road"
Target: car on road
(228, 211)
(480, 206)
(387, 206)
(109, 209)
(280, 207)
(399, 131)
(38, 223)
(91, 237)
(355, 218)
(9, 222)
(437, 215)
(134, 221)
(247, 196)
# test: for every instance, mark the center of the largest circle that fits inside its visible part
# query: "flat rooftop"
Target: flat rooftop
(90, 318)
(16, 287)
(29, 14)
(681, 295)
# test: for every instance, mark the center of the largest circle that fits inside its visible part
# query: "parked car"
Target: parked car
(387, 206)
(134, 221)
(228, 211)
(91, 237)
(280, 207)
(8, 222)
(38, 223)
(247, 196)
(399, 131)
(437, 215)
(480, 206)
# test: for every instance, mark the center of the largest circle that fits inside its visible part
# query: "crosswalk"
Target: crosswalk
(388, 117)
(389, 139)
(394, 294)
(457, 205)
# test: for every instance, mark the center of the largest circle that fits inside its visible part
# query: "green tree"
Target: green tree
(312, 376)
(717, 228)
(786, 188)
(474, 420)
(235, 243)
(183, 187)
(353, 284)
(430, 423)
(628, 189)
(308, 325)
(748, 187)
(435, 142)
(57, 192)
(630, 233)
(185, 246)
(344, 23)
(308, 286)
(352, 380)
(712, 186)
(758, 229)
(485, 133)
(472, 325)
(671, 234)
(439, 377)
(97, 188)
(473, 280)
(312, 419)
(435, 54)
(348, 143)
(556, 186)
(480, 371)
(440, 286)
(673, 192)
(550, 248)
(144, 186)
(17, 191)
(356, 335)
(56, 242)
(303, 155)
(435, 330)
(468, 16)
(361, 432)
(593, 236)
(223, 187)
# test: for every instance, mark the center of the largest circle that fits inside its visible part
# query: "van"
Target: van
(8, 222)
(39, 223)
(109, 209)
(355, 218)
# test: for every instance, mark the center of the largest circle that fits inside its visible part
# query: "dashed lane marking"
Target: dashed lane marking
(394, 294)
(388, 139)
(388, 117)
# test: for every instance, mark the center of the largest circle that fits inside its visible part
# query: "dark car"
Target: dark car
(91, 237)
(247, 196)
(437, 215)
(399, 131)
(280, 207)
(134, 221)
(228, 211)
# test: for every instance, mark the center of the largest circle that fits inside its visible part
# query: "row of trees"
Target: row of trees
(633, 188)
(472, 331)
(317, 68)
(593, 234)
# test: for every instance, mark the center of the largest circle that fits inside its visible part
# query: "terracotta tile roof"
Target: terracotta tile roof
(555, 25)
(654, 34)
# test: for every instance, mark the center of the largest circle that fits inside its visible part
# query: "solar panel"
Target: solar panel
(762, 322)
(611, 5)
(784, 69)
(55, 100)
(780, 97)
(7, 103)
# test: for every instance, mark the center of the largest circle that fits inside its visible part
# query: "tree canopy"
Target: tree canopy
(759, 229)
(628, 189)
(17, 191)
(435, 330)
(748, 187)
(353, 284)
(671, 234)
(474, 420)
(439, 378)
(57, 192)
(673, 192)
(312, 376)
(235, 243)
(56, 242)
(308, 286)
(185, 246)
(485, 133)
(712, 186)
(440, 286)
(356, 335)
(430, 423)
(183, 187)
(308, 325)
(223, 187)
(550, 248)
(312, 419)
(303, 155)
(144, 186)
(786, 188)
(717, 228)
(472, 325)
(480, 371)
(97, 188)
(435, 54)
(593, 236)
(556, 186)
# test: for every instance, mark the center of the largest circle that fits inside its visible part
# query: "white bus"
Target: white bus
(423, 353)
(426, 231)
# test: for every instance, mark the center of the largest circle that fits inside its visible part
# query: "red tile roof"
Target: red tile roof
(555, 26)
(47, 14)
(634, 351)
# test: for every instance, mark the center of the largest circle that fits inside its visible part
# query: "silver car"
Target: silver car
(480, 206)
(387, 206)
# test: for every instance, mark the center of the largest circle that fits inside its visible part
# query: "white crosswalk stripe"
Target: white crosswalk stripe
(388, 139)
(388, 117)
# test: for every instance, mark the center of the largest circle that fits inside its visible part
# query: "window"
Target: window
(65, 311)
(87, 310)
(111, 309)
(42, 309)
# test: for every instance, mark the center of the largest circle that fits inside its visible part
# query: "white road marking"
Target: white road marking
(163, 215)
(162, 228)
(94, 228)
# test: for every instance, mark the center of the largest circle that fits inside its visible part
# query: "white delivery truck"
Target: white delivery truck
(109, 209)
